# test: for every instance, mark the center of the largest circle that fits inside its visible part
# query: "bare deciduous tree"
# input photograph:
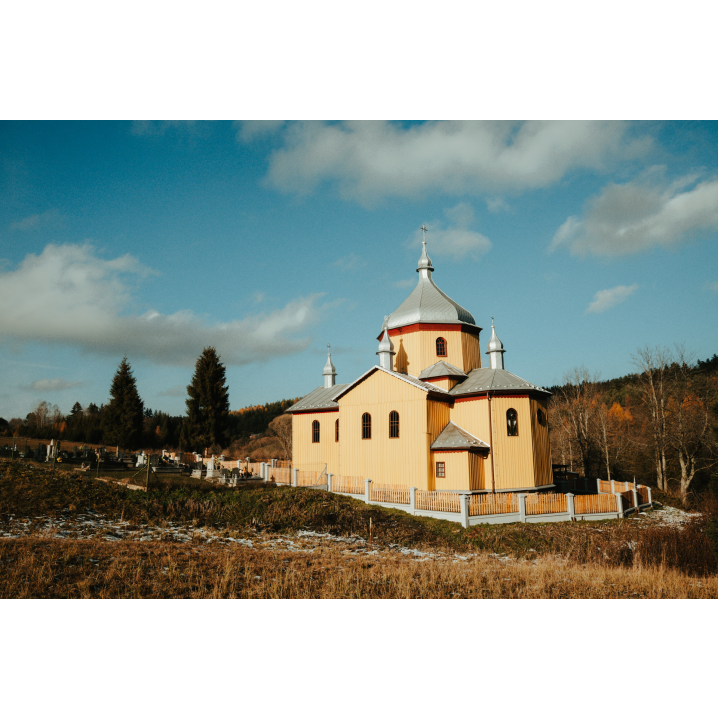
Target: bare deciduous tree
(281, 428)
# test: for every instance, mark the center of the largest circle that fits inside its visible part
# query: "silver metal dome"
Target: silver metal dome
(329, 372)
(427, 303)
(495, 349)
(386, 348)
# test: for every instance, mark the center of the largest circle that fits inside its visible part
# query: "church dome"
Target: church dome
(427, 303)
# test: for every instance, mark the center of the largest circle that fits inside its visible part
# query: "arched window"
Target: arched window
(512, 423)
(315, 432)
(336, 430)
(366, 426)
(441, 347)
(541, 416)
(394, 425)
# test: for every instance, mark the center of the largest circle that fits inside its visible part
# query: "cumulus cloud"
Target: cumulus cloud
(53, 384)
(455, 239)
(636, 216)
(496, 204)
(609, 298)
(35, 221)
(69, 295)
(370, 160)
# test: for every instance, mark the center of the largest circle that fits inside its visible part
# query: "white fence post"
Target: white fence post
(367, 491)
(650, 498)
(598, 486)
(522, 507)
(295, 477)
(570, 507)
(625, 486)
(636, 502)
(329, 481)
(613, 487)
(412, 500)
(619, 505)
(464, 502)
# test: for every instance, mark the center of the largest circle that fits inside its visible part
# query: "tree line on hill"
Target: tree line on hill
(124, 421)
(659, 425)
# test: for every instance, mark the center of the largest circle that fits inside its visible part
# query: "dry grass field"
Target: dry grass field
(68, 535)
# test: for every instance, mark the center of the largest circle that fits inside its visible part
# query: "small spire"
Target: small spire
(495, 349)
(329, 372)
(424, 261)
(386, 348)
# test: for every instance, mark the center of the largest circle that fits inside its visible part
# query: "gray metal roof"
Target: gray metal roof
(424, 386)
(441, 368)
(321, 398)
(454, 437)
(482, 380)
(427, 303)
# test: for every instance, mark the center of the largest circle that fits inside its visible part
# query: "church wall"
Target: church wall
(416, 350)
(477, 465)
(456, 468)
(307, 456)
(401, 461)
(437, 417)
(470, 351)
(543, 474)
(472, 414)
(513, 455)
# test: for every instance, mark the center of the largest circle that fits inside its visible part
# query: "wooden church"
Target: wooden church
(428, 414)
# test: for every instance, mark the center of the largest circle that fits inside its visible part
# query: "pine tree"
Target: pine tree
(208, 402)
(123, 416)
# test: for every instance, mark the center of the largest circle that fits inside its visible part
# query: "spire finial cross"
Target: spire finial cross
(329, 346)
(492, 320)
(424, 229)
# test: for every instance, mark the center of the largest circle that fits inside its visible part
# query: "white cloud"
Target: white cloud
(496, 204)
(456, 240)
(69, 295)
(35, 221)
(370, 160)
(53, 384)
(636, 216)
(609, 298)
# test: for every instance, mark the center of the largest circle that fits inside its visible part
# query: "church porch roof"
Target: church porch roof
(454, 437)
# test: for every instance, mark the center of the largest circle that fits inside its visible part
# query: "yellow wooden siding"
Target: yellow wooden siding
(443, 383)
(513, 455)
(399, 462)
(473, 416)
(543, 473)
(456, 470)
(437, 417)
(470, 351)
(307, 456)
(477, 464)
(416, 351)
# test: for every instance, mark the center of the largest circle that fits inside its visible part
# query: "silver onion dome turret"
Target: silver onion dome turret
(329, 373)
(495, 349)
(386, 348)
(424, 260)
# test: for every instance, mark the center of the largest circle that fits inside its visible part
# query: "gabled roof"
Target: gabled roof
(429, 388)
(427, 303)
(483, 380)
(454, 437)
(321, 398)
(441, 368)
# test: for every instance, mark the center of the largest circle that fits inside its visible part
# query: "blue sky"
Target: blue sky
(270, 240)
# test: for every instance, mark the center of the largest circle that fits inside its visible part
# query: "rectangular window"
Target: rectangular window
(440, 470)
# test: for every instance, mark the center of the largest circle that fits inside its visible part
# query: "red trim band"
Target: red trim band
(422, 327)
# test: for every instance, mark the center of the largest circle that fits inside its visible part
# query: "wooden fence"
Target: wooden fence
(253, 468)
(627, 499)
(604, 486)
(389, 494)
(281, 476)
(486, 504)
(546, 504)
(307, 478)
(642, 494)
(437, 501)
(348, 484)
(284, 464)
(594, 504)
